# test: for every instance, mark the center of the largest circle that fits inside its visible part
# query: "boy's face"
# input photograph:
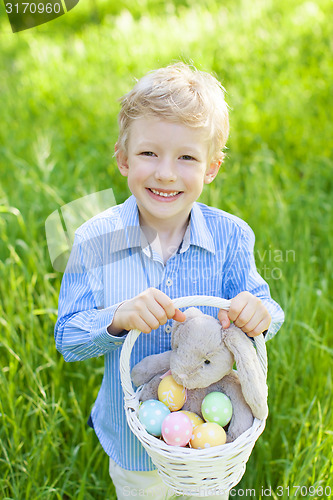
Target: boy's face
(167, 166)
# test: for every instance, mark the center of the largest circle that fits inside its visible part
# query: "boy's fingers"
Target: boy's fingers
(158, 311)
(141, 325)
(240, 305)
(252, 325)
(167, 304)
(224, 318)
(237, 306)
(260, 328)
(246, 316)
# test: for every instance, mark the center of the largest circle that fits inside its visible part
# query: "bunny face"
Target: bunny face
(199, 356)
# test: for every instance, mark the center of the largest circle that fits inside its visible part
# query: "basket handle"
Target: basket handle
(195, 300)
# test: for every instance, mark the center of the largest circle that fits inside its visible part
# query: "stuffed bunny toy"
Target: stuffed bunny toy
(202, 359)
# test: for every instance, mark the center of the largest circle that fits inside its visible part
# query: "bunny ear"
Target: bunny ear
(249, 370)
(190, 313)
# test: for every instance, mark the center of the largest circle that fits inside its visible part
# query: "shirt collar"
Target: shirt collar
(128, 231)
(129, 214)
(197, 232)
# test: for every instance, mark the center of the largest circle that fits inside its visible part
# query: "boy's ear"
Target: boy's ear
(212, 171)
(122, 160)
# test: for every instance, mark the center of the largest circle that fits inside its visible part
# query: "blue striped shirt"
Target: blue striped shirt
(111, 262)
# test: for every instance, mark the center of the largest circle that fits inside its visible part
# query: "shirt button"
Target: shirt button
(168, 329)
(168, 282)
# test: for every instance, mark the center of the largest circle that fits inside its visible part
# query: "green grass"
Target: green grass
(59, 87)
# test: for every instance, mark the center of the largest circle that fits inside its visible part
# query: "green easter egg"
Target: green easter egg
(216, 407)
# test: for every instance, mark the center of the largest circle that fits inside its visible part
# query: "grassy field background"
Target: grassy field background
(59, 88)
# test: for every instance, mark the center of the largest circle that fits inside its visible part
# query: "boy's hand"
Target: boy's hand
(145, 312)
(248, 313)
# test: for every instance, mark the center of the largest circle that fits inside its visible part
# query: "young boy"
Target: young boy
(129, 262)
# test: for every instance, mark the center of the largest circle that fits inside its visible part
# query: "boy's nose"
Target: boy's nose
(165, 171)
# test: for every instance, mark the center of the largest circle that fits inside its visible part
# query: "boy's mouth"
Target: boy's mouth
(165, 194)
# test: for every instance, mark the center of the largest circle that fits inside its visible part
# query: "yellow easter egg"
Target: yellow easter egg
(171, 394)
(207, 435)
(195, 419)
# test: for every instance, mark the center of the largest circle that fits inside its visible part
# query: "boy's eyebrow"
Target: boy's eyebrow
(145, 145)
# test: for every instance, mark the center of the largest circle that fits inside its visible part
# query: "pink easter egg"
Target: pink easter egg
(177, 429)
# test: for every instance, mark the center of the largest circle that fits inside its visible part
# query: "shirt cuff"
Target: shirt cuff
(275, 326)
(277, 316)
(99, 333)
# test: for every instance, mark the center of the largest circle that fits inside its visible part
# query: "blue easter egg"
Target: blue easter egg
(151, 415)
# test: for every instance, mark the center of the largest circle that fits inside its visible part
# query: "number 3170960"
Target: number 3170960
(304, 491)
(32, 8)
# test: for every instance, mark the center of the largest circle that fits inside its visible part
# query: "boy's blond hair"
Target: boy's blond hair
(178, 93)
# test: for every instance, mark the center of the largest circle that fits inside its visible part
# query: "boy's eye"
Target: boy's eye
(188, 158)
(147, 153)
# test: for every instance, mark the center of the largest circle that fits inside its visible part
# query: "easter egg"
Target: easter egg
(151, 415)
(195, 419)
(207, 435)
(171, 394)
(177, 429)
(216, 407)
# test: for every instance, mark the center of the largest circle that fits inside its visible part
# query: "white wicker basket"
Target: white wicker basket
(186, 470)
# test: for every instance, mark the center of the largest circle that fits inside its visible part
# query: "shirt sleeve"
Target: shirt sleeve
(81, 329)
(243, 276)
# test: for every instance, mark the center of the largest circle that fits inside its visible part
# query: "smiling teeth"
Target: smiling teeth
(166, 195)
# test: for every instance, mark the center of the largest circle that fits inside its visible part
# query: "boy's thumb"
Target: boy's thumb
(179, 316)
(224, 318)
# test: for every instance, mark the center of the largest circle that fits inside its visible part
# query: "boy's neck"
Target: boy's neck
(165, 239)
